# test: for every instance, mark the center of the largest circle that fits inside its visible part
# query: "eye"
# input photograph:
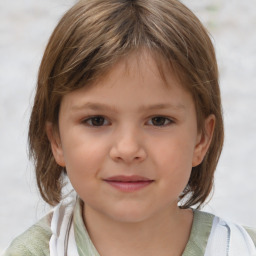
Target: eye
(160, 121)
(96, 121)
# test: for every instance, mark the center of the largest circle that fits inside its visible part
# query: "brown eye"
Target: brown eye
(160, 121)
(96, 121)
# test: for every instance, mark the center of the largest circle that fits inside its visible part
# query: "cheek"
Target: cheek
(84, 155)
(78, 141)
(176, 151)
(83, 165)
(173, 160)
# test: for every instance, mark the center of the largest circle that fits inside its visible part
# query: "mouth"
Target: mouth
(128, 183)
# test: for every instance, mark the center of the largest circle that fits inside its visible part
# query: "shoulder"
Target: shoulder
(252, 234)
(246, 233)
(34, 241)
(226, 234)
(214, 234)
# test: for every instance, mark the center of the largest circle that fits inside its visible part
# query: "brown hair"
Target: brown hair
(90, 38)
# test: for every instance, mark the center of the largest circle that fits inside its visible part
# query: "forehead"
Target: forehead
(143, 64)
(143, 79)
(148, 63)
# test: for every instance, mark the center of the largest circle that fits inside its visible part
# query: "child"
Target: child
(128, 108)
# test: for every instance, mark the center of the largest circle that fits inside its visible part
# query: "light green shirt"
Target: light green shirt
(35, 241)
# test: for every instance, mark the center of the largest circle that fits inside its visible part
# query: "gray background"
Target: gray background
(25, 26)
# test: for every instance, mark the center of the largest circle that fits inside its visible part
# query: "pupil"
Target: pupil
(98, 121)
(158, 121)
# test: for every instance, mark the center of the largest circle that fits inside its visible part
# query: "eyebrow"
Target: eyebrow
(102, 107)
(163, 106)
(94, 106)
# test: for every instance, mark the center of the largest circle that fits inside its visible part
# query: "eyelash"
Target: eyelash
(165, 119)
(89, 121)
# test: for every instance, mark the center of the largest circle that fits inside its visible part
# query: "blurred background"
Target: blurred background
(25, 26)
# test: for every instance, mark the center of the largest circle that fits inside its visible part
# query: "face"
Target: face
(129, 142)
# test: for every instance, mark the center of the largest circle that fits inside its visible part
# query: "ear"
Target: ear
(55, 141)
(204, 139)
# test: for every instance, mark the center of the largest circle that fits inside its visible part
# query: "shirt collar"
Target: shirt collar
(201, 229)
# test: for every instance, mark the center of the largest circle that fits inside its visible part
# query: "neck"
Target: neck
(164, 234)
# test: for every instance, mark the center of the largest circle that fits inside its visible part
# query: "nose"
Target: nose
(128, 148)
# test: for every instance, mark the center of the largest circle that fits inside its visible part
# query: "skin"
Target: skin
(144, 126)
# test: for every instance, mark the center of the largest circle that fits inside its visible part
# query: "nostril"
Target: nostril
(128, 155)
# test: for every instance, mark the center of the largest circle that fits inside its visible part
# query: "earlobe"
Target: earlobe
(204, 140)
(54, 138)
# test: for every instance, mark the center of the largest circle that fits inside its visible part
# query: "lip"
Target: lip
(128, 183)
